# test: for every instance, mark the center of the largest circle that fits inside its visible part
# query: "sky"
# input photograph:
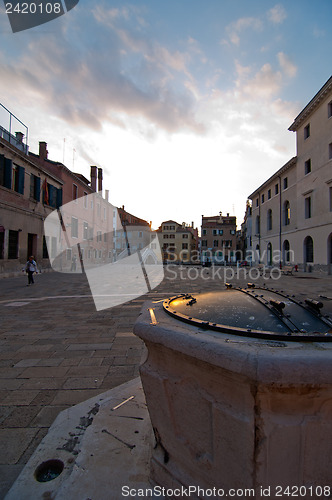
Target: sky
(185, 104)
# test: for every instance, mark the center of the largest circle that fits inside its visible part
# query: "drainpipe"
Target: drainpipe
(259, 228)
(280, 216)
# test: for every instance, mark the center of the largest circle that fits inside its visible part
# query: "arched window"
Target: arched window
(286, 213)
(286, 251)
(269, 220)
(269, 254)
(329, 254)
(257, 256)
(257, 224)
(308, 249)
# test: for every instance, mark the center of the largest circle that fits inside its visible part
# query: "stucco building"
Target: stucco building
(28, 194)
(218, 239)
(178, 242)
(292, 210)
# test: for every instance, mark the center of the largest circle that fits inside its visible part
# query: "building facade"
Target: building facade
(218, 239)
(28, 194)
(292, 210)
(178, 242)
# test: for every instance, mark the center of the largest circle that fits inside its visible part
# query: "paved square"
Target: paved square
(56, 350)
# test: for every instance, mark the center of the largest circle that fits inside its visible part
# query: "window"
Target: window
(308, 249)
(74, 227)
(307, 207)
(276, 189)
(140, 234)
(12, 244)
(75, 192)
(18, 174)
(53, 196)
(262, 198)
(285, 182)
(204, 243)
(184, 236)
(215, 243)
(35, 187)
(215, 231)
(329, 109)
(204, 232)
(232, 231)
(172, 236)
(257, 225)
(257, 202)
(286, 213)
(269, 220)
(330, 151)
(269, 194)
(68, 254)
(85, 199)
(307, 131)
(85, 230)
(221, 231)
(307, 167)
(184, 246)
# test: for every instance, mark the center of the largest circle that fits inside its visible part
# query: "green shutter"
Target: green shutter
(37, 188)
(21, 175)
(59, 198)
(8, 173)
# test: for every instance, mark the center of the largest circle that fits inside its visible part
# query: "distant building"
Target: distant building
(218, 239)
(244, 236)
(131, 234)
(179, 242)
(88, 217)
(292, 210)
(28, 194)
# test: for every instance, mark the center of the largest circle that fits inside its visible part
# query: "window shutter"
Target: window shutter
(2, 170)
(8, 173)
(21, 175)
(37, 188)
(59, 198)
(51, 201)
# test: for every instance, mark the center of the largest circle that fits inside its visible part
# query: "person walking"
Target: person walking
(30, 268)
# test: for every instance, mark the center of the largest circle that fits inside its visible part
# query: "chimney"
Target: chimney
(192, 224)
(228, 215)
(19, 137)
(100, 180)
(107, 194)
(43, 153)
(93, 176)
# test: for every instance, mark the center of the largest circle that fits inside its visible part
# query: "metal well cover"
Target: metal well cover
(253, 312)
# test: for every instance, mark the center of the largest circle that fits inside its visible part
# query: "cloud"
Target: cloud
(277, 14)
(286, 65)
(234, 29)
(117, 74)
(265, 83)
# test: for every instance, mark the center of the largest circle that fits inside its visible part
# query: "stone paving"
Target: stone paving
(56, 350)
